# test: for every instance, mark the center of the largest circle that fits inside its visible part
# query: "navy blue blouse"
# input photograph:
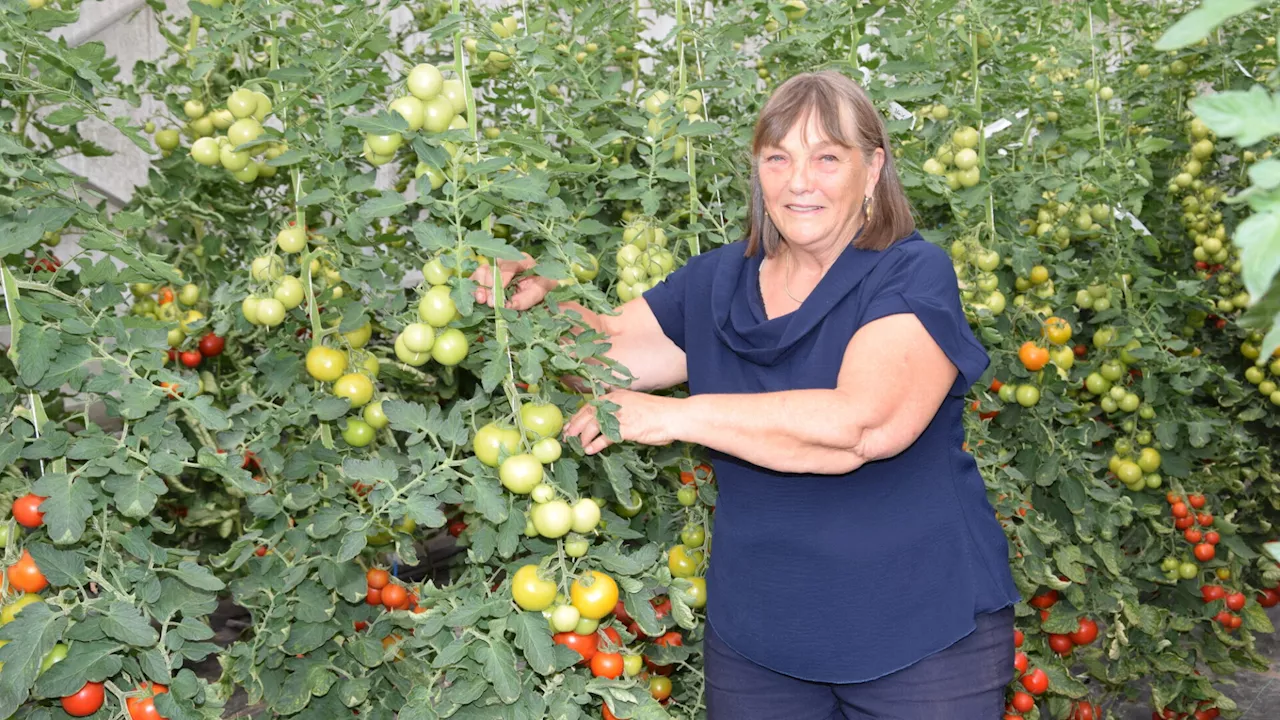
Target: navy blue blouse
(839, 578)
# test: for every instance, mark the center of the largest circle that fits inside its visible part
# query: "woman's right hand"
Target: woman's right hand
(529, 289)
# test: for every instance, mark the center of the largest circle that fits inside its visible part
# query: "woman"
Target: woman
(858, 570)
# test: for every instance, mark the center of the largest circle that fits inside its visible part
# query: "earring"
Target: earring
(868, 206)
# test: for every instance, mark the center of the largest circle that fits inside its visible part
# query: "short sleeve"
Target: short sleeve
(668, 300)
(922, 282)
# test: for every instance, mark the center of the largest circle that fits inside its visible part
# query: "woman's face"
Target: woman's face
(814, 188)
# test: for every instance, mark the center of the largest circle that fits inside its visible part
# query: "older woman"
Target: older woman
(858, 570)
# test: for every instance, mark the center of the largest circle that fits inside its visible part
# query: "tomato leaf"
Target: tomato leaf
(500, 668)
(92, 661)
(125, 623)
(1202, 21)
(534, 640)
(68, 506)
(28, 638)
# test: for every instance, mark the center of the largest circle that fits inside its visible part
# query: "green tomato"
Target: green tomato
(244, 130)
(544, 492)
(437, 113)
(189, 294)
(291, 239)
(541, 421)
(270, 312)
(587, 626)
(1169, 564)
(242, 103)
(232, 160)
(1111, 370)
(452, 89)
(436, 308)
(407, 356)
(434, 176)
(385, 144)
(435, 272)
(490, 439)
(355, 387)
(1008, 392)
(358, 433)
(289, 292)
(450, 347)
(4, 535)
(683, 562)
(547, 450)
(411, 109)
(206, 151)
(1188, 570)
(425, 82)
(687, 496)
(1027, 395)
(693, 536)
(586, 515)
(520, 473)
(1097, 384)
(265, 268)
(552, 519)
(633, 508)
(418, 337)
(167, 139)
(374, 415)
(632, 665)
(564, 618)
(56, 654)
(576, 548)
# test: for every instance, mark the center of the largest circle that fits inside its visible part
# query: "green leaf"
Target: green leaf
(125, 623)
(1259, 240)
(534, 639)
(65, 115)
(1248, 116)
(198, 576)
(1265, 174)
(35, 351)
(63, 568)
(68, 505)
(385, 205)
(1199, 23)
(500, 668)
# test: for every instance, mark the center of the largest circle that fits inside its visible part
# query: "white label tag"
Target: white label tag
(996, 127)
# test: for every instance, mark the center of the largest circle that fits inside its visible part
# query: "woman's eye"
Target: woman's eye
(829, 158)
(774, 158)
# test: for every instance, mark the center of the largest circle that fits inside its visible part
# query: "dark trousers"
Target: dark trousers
(963, 682)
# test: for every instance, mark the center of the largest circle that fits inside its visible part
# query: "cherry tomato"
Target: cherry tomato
(355, 387)
(86, 701)
(1060, 644)
(531, 592)
(395, 597)
(326, 364)
(1023, 702)
(1036, 681)
(25, 575)
(26, 510)
(1235, 601)
(1086, 632)
(144, 707)
(1204, 552)
(596, 600)
(191, 358)
(377, 578)
(660, 688)
(606, 665)
(211, 345)
(583, 644)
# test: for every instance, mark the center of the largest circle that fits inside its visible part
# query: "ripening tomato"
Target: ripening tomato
(395, 597)
(606, 665)
(682, 562)
(697, 595)
(86, 701)
(357, 388)
(25, 575)
(326, 364)
(583, 644)
(1057, 330)
(26, 510)
(10, 611)
(1033, 356)
(596, 600)
(530, 591)
(660, 688)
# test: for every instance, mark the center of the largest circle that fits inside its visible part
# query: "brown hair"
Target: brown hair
(832, 96)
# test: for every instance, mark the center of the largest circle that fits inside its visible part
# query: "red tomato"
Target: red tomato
(1179, 510)
(1060, 644)
(395, 597)
(1036, 682)
(613, 636)
(584, 645)
(457, 527)
(606, 665)
(1183, 523)
(608, 715)
(1044, 600)
(1085, 711)
(1192, 535)
(1212, 537)
(212, 345)
(377, 579)
(143, 707)
(620, 612)
(1086, 632)
(1235, 602)
(1204, 552)
(26, 510)
(1224, 618)
(1018, 638)
(1205, 519)
(86, 701)
(1269, 598)
(190, 358)
(1022, 702)
(1212, 592)
(373, 596)
(671, 639)
(1196, 500)
(25, 575)
(1020, 664)
(261, 551)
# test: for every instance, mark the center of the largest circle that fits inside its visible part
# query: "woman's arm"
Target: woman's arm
(892, 381)
(636, 340)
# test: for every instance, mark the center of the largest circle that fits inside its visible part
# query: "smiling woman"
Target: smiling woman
(827, 357)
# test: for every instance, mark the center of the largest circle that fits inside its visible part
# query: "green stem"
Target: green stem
(1097, 101)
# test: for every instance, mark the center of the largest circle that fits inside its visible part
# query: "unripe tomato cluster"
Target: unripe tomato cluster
(434, 105)
(957, 160)
(1195, 523)
(643, 260)
(430, 338)
(976, 267)
(241, 122)
(663, 121)
(331, 365)
(1062, 222)
(1263, 373)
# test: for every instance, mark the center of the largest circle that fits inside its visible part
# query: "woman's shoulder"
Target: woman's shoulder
(925, 264)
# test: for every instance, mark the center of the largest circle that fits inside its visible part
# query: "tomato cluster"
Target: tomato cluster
(1195, 523)
(382, 591)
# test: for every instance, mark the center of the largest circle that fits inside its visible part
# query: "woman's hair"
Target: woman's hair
(833, 98)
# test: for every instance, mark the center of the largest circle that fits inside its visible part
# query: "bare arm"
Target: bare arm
(636, 339)
(892, 381)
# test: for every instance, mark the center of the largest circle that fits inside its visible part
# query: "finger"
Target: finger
(600, 443)
(591, 433)
(482, 296)
(577, 421)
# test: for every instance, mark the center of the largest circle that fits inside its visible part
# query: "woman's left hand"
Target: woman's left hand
(642, 418)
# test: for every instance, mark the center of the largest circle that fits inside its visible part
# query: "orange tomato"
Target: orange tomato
(25, 575)
(1033, 356)
(1057, 330)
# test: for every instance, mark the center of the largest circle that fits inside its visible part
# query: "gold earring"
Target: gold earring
(868, 206)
